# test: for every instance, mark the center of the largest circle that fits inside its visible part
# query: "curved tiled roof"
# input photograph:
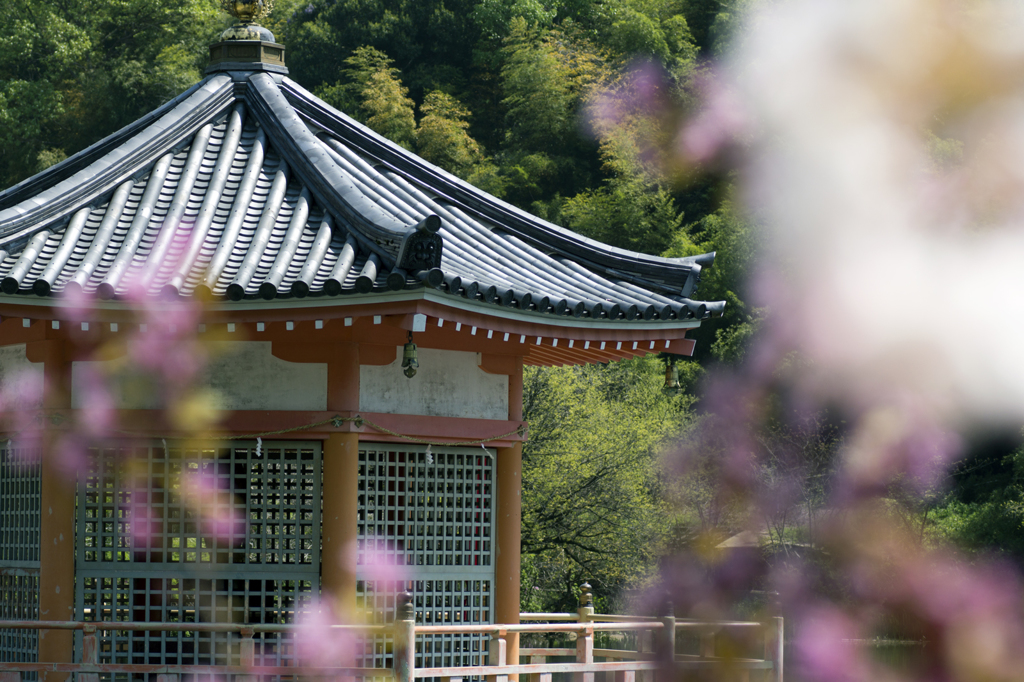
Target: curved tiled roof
(247, 186)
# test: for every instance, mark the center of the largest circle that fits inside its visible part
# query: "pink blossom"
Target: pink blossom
(76, 305)
(319, 643)
(72, 455)
(721, 122)
(825, 647)
(219, 516)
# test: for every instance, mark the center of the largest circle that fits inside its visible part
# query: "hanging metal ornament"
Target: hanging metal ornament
(671, 376)
(410, 362)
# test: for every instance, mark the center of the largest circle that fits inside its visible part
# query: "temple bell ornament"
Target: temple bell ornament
(410, 362)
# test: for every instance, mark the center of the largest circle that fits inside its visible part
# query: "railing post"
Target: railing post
(585, 640)
(585, 612)
(90, 652)
(585, 653)
(497, 654)
(774, 647)
(625, 675)
(539, 677)
(666, 649)
(645, 645)
(246, 657)
(405, 639)
(247, 649)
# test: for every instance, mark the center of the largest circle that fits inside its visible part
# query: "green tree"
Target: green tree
(735, 239)
(545, 77)
(373, 93)
(72, 72)
(390, 110)
(626, 213)
(633, 209)
(592, 507)
(651, 29)
(442, 136)
(430, 40)
(984, 508)
(494, 17)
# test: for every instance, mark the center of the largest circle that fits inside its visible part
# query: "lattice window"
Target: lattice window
(202, 506)
(19, 600)
(191, 600)
(19, 508)
(420, 509)
(19, 551)
(426, 526)
(219, 534)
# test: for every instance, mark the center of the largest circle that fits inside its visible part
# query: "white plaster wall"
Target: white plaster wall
(244, 375)
(19, 378)
(248, 377)
(130, 391)
(447, 384)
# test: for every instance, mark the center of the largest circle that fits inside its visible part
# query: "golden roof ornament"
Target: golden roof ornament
(248, 13)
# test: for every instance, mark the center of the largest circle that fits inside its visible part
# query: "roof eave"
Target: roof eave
(338, 306)
(124, 154)
(668, 273)
(376, 230)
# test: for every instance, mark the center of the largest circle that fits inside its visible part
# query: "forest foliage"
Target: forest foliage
(534, 101)
(568, 109)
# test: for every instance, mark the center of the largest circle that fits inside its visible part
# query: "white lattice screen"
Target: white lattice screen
(426, 526)
(19, 551)
(219, 534)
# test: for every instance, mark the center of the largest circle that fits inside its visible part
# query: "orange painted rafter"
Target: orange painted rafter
(404, 309)
(558, 345)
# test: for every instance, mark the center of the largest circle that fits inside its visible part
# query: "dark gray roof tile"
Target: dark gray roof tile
(227, 192)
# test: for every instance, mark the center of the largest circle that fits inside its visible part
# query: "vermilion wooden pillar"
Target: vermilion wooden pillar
(340, 486)
(509, 517)
(340, 483)
(57, 515)
(506, 572)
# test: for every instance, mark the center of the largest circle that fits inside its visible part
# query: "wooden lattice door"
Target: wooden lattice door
(426, 525)
(19, 551)
(180, 534)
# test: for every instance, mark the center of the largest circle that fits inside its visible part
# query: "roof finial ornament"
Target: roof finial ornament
(248, 13)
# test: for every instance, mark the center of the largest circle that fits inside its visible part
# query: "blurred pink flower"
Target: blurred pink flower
(641, 91)
(219, 515)
(319, 643)
(825, 648)
(72, 455)
(721, 122)
(388, 564)
(76, 305)
(900, 444)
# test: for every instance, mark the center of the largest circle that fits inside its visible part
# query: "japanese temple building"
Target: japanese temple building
(324, 249)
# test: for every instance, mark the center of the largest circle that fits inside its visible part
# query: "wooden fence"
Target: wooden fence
(654, 660)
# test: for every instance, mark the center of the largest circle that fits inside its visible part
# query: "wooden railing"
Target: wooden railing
(655, 655)
(657, 650)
